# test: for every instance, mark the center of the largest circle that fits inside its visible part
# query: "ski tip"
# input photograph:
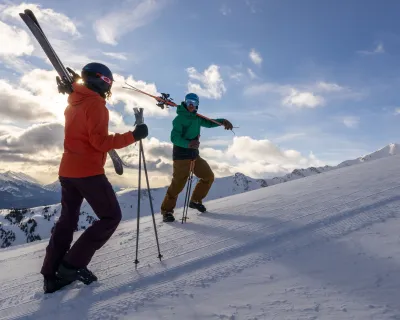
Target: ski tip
(30, 14)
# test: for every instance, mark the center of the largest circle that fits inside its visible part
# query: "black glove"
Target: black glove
(227, 125)
(141, 131)
(194, 144)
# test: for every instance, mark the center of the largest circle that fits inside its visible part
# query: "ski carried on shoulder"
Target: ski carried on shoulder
(66, 76)
(166, 101)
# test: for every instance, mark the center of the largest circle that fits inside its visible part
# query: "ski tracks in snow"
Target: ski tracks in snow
(239, 233)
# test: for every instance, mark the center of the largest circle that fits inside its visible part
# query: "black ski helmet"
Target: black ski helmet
(98, 78)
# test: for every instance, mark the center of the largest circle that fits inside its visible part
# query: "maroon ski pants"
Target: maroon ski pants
(100, 195)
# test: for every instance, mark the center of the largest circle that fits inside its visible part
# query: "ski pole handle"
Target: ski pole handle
(138, 115)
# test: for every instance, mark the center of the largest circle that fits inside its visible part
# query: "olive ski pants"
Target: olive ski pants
(181, 171)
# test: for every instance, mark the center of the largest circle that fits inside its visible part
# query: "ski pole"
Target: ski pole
(150, 199)
(140, 120)
(138, 209)
(188, 189)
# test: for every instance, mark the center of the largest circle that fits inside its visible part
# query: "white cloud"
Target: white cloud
(17, 103)
(42, 85)
(257, 158)
(130, 15)
(15, 41)
(50, 20)
(116, 55)
(260, 158)
(291, 95)
(212, 85)
(329, 87)
(34, 139)
(238, 76)
(255, 57)
(397, 111)
(15, 64)
(251, 74)
(59, 28)
(350, 121)
(379, 49)
(133, 99)
(303, 99)
(309, 95)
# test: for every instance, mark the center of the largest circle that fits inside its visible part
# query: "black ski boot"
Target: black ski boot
(54, 283)
(168, 217)
(197, 205)
(69, 273)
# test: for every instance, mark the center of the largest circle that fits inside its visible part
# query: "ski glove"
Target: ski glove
(141, 131)
(194, 144)
(227, 124)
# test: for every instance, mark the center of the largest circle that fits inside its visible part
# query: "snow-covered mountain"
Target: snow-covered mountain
(18, 190)
(322, 247)
(56, 187)
(20, 226)
(390, 150)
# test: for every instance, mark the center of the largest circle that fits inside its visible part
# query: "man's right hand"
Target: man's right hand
(194, 144)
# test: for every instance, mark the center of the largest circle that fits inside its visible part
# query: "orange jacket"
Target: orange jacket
(87, 140)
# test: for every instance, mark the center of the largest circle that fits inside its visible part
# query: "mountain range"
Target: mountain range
(25, 225)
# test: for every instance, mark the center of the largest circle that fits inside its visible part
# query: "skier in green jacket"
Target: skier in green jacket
(185, 138)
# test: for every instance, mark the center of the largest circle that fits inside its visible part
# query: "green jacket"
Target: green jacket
(186, 126)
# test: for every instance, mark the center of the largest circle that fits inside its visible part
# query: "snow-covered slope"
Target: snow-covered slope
(20, 190)
(13, 223)
(20, 226)
(322, 247)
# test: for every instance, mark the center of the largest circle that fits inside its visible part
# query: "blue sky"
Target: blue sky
(311, 76)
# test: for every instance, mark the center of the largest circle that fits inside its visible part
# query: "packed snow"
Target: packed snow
(321, 247)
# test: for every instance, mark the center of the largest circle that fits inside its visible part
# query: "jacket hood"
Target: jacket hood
(81, 93)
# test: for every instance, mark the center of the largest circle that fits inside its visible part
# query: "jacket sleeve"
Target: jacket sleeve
(177, 134)
(209, 124)
(97, 117)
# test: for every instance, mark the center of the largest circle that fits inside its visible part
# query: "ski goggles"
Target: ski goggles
(104, 78)
(192, 102)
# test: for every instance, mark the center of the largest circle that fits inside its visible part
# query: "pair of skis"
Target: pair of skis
(166, 101)
(66, 76)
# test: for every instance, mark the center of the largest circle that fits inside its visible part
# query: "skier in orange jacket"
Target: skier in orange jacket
(82, 176)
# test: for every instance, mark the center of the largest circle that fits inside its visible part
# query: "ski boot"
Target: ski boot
(168, 216)
(69, 273)
(54, 283)
(198, 206)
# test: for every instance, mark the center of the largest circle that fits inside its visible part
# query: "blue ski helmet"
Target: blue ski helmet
(98, 77)
(192, 98)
